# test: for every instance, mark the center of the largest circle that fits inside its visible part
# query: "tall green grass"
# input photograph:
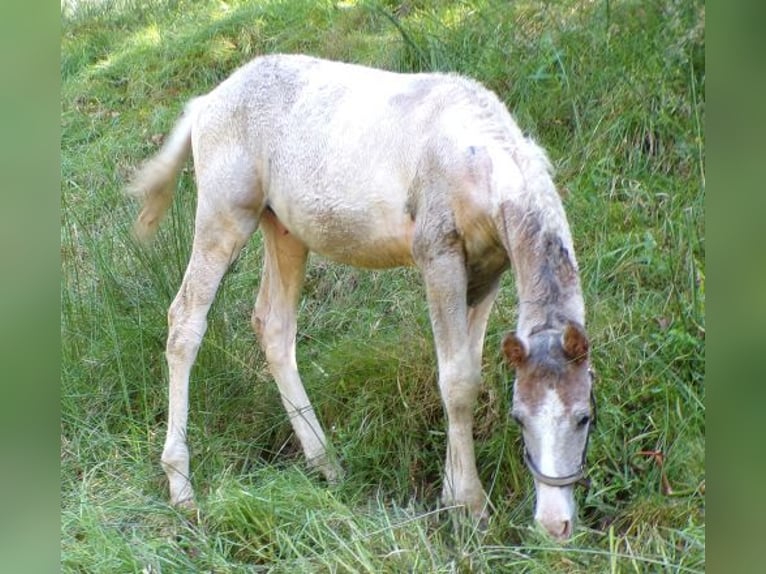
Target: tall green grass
(615, 90)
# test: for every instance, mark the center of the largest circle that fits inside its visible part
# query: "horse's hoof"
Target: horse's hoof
(331, 471)
(482, 521)
(333, 474)
(188, 509)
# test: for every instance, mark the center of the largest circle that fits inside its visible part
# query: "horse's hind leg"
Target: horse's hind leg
(275, 322)
(221, 229)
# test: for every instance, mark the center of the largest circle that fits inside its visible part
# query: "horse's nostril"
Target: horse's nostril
(558, 529)
(566, 530)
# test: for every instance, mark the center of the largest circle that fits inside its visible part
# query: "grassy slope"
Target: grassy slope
(614, 90)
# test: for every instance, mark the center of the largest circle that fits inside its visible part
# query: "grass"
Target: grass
(615, 90)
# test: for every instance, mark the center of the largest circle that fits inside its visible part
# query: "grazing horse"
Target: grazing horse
(377, 169)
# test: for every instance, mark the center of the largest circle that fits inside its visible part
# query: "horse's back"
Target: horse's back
(340, 149)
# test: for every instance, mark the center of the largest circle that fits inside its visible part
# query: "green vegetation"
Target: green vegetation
(613, 89)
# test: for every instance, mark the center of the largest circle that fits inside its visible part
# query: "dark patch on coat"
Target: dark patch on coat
(547, 367)
(550, 261)
(435, 236)
(483, 274)
(419, 91)
(556, 272)
(273, 83)
(411, 205)
(525, 225)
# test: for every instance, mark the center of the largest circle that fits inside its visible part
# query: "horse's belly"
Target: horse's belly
(360, 250)
(362, 234)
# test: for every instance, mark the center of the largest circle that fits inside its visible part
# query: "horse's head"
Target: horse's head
(553, 404)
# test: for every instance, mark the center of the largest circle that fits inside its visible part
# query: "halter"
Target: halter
(579, 474)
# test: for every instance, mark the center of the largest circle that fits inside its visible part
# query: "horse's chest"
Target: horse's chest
(484, 267)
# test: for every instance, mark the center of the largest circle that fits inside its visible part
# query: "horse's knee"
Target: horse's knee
(175, 456)
(459, 390)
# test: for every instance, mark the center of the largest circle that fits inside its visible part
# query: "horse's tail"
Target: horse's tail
(154, 184)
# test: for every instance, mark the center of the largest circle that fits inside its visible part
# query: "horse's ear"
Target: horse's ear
(575, 342)
(514, 350)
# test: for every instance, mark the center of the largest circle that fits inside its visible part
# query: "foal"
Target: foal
(377, 169)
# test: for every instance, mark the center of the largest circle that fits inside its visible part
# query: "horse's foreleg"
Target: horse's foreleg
(275, 323)
(478, 315)
(459, 378)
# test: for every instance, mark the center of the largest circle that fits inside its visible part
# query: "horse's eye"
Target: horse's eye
(518, 421)
(584, 420)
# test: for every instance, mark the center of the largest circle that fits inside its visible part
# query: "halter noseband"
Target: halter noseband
(579, 474)
(554, 480)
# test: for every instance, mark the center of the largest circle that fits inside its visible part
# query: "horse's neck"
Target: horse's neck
(547, 278)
